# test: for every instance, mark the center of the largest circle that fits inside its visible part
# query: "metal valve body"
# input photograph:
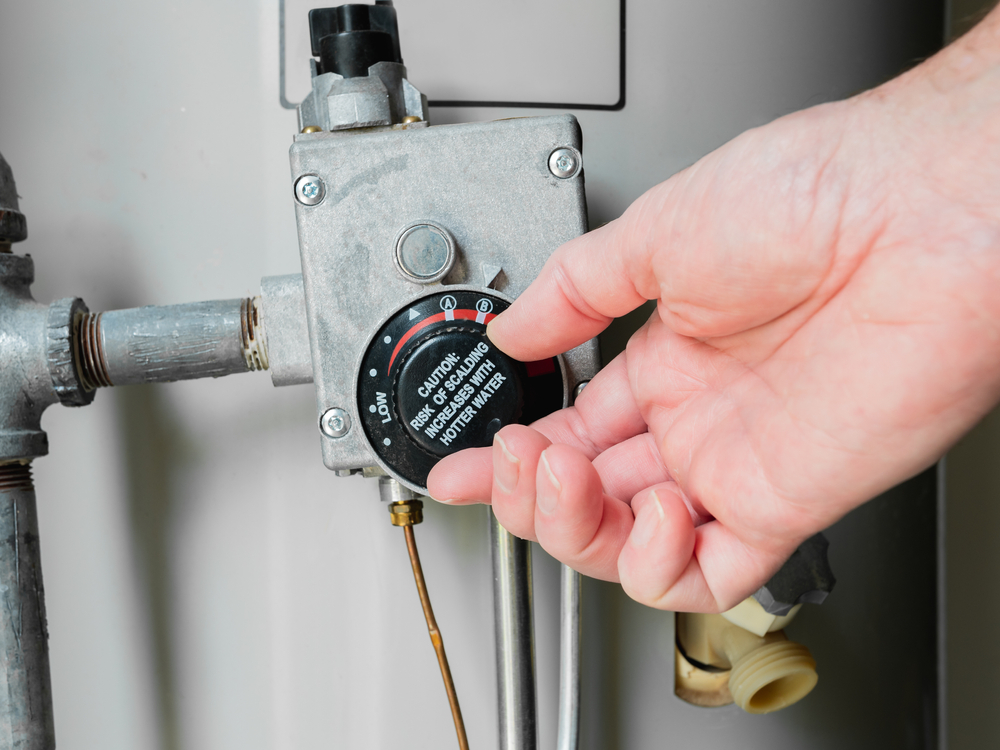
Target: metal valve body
(486, 211)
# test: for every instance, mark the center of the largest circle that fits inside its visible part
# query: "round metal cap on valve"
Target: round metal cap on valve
(425, 252)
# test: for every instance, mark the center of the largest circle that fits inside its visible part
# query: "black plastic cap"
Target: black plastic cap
(349, 39)
(805, 577)
(13, 227)
(499, 403)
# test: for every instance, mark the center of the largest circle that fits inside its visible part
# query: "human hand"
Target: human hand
(827, 324)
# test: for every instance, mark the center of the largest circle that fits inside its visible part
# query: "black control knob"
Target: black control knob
(456, 390)
(432, 383)
(349, 39)
(805, 577)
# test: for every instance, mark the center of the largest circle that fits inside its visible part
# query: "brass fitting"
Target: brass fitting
(407, 513)
(311, 129)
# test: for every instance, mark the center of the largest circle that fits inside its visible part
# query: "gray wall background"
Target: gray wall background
(209, 584)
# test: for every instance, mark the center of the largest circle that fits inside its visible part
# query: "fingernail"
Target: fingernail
(490, 328)
(506, 467)
(647, 522)
(549, 488)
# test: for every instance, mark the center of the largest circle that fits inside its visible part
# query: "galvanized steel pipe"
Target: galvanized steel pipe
(176, 342)
(26, 690)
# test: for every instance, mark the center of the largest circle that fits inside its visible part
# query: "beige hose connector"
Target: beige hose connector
(773, 677)
(719, 662)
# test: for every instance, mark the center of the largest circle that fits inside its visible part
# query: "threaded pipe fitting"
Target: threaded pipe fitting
(92, 361)
(772, 677)
(15, 476)
(252, 335)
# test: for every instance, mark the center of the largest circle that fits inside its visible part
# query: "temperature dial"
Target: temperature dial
(431, 383)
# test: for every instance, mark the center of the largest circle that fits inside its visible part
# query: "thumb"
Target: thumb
(726, 245)
(573, 299)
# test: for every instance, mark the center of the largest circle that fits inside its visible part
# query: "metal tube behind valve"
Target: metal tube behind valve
(515, 641)
(570, 627)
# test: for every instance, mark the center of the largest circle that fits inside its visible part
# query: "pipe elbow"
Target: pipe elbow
(751, 664)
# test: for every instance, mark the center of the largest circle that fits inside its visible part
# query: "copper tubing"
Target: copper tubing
(432, 628)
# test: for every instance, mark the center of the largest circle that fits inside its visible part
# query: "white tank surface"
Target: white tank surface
(209, 584)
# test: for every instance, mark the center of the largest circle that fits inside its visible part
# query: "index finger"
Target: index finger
(583, 286)
(605, 414)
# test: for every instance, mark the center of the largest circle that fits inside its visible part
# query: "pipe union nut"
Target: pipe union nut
(408, 513)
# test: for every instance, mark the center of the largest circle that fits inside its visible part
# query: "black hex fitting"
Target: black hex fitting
(13, 227)
(349, 39)
(805, 577)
